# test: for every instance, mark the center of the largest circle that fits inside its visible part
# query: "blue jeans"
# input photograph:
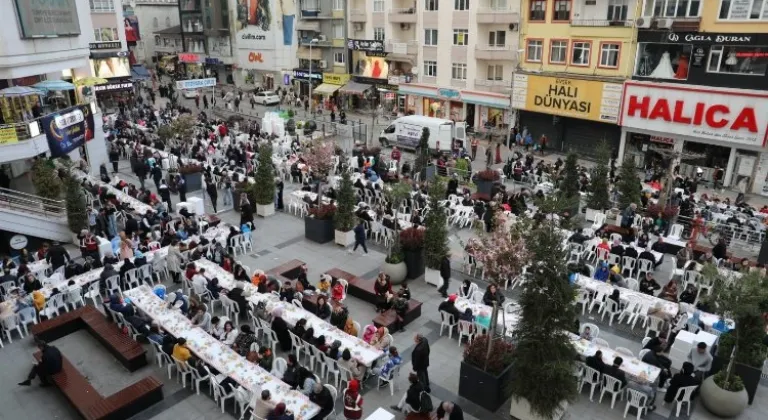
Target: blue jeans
(227, 196)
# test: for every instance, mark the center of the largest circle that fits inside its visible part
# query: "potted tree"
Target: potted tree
(436, 235)
(543, 382)
(598, 199)
(344, 219)
(45, 180)
(568, 194)
(319, 158)
(423, 163)
(484, 181)
(412, 244)
(263, 188)
(741, 352)
(629, 185)
(483, 376)
(77, 217)
(318, 225)
(393, 264)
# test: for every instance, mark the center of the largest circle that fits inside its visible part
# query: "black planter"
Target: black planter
(414, 261)
(484, 187)
(320, 231)
(482, 388)
(194, 181)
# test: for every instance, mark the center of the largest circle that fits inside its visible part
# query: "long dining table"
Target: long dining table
(670, 309)
(220, 356)
(634, 367)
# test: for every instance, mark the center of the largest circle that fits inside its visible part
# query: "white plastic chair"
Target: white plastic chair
(335, 395)
(220, 395)
(686, 392)
(279, 367)
(636, 399)
(242, 398)
(145, 274)
(612, 309)
(446, 320)
(357, 328)
(466, 330)
(601, 342)
(642, 353)
(591, 377)
(10, 324)
(655, 324)
(645, 266)
(612, 386)
(628, 264)
(75, 298)
(132, 278)
(198, 377)
(162, 358)
(633, 284)
(599, 221)
(390, 377)
(112, 286)
(27, 316)
(675, 231)
(592, 327)
(182, 371)
(583, 299)
(625, 351)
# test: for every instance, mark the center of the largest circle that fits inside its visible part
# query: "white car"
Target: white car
(267, 97)
(190, 93)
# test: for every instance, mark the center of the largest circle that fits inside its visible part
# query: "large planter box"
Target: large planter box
(520, 409)
(265, 210)
(396, 272)
(194, 181)
(590, 214)
(482, 388)
(749, 375)
(414, 261)
(484, 187)
(320, 231)
(344, 239)
(433, 277)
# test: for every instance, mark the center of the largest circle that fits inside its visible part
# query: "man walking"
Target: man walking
(360, 237)
(445, 274)
(473, 146)
(213, 193)
(420, 360)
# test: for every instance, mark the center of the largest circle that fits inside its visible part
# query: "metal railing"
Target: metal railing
(24, 130)
(17, 200)
(404, 11)
(601, 22)
(493, 47)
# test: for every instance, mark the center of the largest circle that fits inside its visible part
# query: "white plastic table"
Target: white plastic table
(381, 414)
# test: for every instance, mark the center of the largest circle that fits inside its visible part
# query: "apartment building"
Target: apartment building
(154, 16)
(699, 86)
(445, 58)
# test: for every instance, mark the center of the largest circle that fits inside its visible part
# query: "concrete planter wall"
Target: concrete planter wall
(194, 181)
(320, 231)
(433, 277)
(344, 239)
(265, 210)
(396, 272)
(720, 402)
(484, 187)
(482, 388)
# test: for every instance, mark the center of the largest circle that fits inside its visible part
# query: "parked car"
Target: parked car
(190, 93)
(267, 97)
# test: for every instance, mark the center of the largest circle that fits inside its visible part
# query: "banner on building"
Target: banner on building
(256, 25)
(8, 135)
(68, 129)
(195, 83)
(585, 99)
(39, 19)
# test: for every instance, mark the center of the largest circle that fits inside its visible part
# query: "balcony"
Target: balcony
(304, 42)
(591, 23)
(402, 15)
(495, 86)
(402, 47)
(315, 13)
(357, 16)
(500, 14)
(494, 52)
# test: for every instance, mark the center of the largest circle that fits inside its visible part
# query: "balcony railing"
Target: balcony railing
(28, 129)
(28, 203)
(498, 14)
(402, 15)
(357, 16)
(601, 22)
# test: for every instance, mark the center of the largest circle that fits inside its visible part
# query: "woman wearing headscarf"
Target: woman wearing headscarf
(353, 402)
(350, 328)
(280, 413)
(381, 340)
(280, 328)
(368, 334)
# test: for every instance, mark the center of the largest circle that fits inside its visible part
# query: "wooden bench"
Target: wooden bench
(91, 405)
(363, 289)
(130, 353)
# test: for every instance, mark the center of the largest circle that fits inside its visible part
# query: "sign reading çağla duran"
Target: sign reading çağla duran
(695, 37)
(369, 45)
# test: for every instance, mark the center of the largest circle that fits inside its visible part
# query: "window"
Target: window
(533, 50)
(431, 5)
(339, 57)
(167, 22)
(663, 61)
(459, 71)
(105, 34)
(617, 10)
(102, 5)
(580, 51)
(460, 37)
(495, 72)
(430, 37)
(743, 10)
(744, 60)
(460, 4)
(674, 8)
(538, 10)
(558, 51)
(430, 68)
(499, 5)
(378, 5)
(562, 11)
(155, 23)
(338, 4)
(497, 38)
(609, 55)
(338, 31)
(378, 34)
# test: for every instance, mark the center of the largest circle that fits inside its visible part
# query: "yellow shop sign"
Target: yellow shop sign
(584, 99)
(335, 78)
(8, 135)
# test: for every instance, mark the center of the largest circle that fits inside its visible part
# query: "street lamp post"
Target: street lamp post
(311, 108)
(513, 121)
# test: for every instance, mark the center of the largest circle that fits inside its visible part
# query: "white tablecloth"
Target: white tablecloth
(633, 367)
(670, 309)
(136, 205)
(596, 241)
(223, 358)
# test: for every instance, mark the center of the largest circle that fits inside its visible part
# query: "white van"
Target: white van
(405, 132)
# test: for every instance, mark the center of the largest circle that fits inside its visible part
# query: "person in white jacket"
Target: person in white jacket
(229, 335)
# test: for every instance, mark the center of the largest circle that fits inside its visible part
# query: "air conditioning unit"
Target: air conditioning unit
(513, 27)
(323, 64)
(405, 26)
(358, 26)
(321, 38)
(643, 22)
(664, 23)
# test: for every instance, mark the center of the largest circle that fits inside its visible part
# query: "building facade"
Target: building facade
(321, 35)
(575, 56)
(699, 86)
(154, 16)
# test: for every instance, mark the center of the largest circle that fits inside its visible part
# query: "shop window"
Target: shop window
(105, 34)
(459, 71)
(460, 37)
(431, 5)
(561, 12)
(673, 8)
(609, 55)
(558, 51)
(743, 10)
(495, 72)
(430, 37)
(378, 34)
(538, 10)
(663, 61)
(617, 10)
(378, 5)
(580, 53)
(460, 4)
(102, 5)
(497, 38)
(430, 68)
(533, 50)
(339, 57)
(158, 41)
(751, 61)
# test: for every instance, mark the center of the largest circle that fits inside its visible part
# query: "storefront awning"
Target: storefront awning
(401, 58)
(355, 88)
(139, 72)
(326, 89)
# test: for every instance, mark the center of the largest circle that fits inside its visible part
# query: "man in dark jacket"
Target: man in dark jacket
(360, 237)
(57, 256)
(157, 175)
(322, 397)
(450, 408)
(50, 364)
(420, 360)
(449, 306)
(682, 379)
(445, 274)
(412, 397)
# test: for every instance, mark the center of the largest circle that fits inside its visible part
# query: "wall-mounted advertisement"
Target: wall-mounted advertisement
(110, 67)
(68, 129)
(374, 66)
(256, 60)
(131, 24)
(47, 18)
(258, 20)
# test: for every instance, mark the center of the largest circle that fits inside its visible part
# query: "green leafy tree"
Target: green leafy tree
(436, 234)
(544, 358)
(423, 156)
(396, 194)
(262, 191)
(598, 197)
(569, 184)
(77, 217)
(629, 184)
(344, 219)
(184, 127)
(45, 179)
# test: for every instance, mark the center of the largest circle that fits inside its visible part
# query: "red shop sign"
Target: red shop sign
(189, 58)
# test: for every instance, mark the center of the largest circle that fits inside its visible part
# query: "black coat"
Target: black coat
(51, 360)
(57, 256)
(456, 414)
(420, 355)
(413, 396)
(281, 330)
(445, 268)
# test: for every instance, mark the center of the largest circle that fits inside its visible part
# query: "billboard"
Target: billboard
(68, 129)
(256, 59)
(110, 67)
(131, 24)
(258, 21)
(46, 18)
